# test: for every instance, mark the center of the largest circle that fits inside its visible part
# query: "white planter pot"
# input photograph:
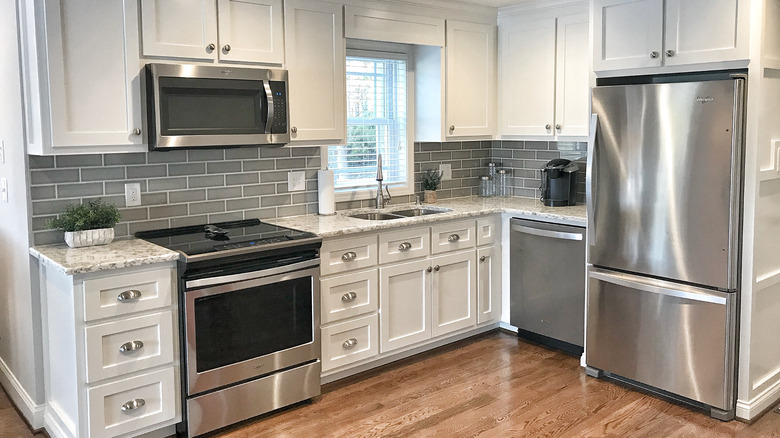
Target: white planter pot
(100, 236)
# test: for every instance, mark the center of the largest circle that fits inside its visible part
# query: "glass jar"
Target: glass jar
(492, 167)
(485, 186)
(502, 183)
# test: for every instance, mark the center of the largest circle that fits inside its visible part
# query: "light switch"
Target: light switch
(296, 181)
(4, 189)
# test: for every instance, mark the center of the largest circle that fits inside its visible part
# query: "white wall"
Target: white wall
(21, 363)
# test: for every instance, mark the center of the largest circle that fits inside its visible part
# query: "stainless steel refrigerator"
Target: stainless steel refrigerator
(664, 212)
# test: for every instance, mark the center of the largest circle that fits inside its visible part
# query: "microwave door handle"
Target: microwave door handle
(269, 98)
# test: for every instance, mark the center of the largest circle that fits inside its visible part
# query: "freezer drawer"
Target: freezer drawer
(670, 336)
(547, 280)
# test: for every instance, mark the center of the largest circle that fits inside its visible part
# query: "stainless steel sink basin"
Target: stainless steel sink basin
(419, 212)
(376, 216)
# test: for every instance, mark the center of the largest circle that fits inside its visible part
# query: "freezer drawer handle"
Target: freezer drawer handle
(693, 296)
(547, 233)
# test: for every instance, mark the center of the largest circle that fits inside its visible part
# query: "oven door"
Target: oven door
(253, 325)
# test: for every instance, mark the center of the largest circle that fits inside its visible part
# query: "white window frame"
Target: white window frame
(391, 51)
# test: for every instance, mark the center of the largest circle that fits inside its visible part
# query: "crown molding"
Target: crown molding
(456, 10)
(540, 6)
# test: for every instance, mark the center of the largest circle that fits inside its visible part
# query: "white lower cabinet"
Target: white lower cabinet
(405, 295)
(348, 342)
(453, 292)
(488, 284)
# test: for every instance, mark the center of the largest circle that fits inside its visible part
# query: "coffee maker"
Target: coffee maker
(559, 183)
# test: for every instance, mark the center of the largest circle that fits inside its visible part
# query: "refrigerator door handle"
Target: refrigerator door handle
(589, 181)
(639, 283)
(547, 233)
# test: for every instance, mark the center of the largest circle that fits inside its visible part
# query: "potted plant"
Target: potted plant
(431, 180)
(87, 224)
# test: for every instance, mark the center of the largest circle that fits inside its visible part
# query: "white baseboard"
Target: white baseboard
(54, 425)
(760, 403)
(31, 411)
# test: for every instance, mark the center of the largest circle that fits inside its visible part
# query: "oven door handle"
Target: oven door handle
(211, 281)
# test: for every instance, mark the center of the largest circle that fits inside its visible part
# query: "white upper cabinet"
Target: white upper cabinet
(470, 80)
(82, 91)
(316, 71)
(630, 34)
(544, 76)
(246, 31)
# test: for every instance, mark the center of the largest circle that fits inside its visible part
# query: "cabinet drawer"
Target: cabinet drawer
(452, 236)
(349, 295)
(147, 342)
(349, 342)
(157, 391)
(342, 255)
(486, 230)
(404, 245)
(127, 293)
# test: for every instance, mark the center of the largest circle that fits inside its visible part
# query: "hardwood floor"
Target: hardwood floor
(493, 385)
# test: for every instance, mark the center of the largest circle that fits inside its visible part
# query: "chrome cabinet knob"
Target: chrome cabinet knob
(131, 346)
(136, 131)
(129, 295)
(133, 404)
(558, 127)
(348, 256)
(547, 126)
(436, 268)
(349, 343)
(428, 269)
(653, 54)
(453, 238)
(226, 48)
(452, 128)
(349, 296)
(406, 246)
(211, 47)
(482, 258)
(294, 129)
(670, 53)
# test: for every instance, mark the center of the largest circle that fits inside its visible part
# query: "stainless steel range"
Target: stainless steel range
(249, 306)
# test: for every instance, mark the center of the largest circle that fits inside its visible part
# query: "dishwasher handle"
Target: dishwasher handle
(546, 233)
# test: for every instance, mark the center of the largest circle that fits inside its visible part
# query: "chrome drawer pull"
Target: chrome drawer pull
(349, 343)
(129, 295)
(406, 246)
(133, 404)
(349, 296)
(453, 238)
(131, 346)
(349, 256)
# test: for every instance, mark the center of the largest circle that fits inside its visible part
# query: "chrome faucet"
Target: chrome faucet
(381, 200)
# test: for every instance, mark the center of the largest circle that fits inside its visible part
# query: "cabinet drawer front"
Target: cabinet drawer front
(342, 255)
(349, 295)
(159, 393)
(486, 230)
(349, 342)
(139, 291)
(404, 245)
(452, 236)
(147, 341)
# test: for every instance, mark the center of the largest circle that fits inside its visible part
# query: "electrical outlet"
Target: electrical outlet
(296, 181)
(132, 194)
(4, 189)
(2, 152)
(446, 171)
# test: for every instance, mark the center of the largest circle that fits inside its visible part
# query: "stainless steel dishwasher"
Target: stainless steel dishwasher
(547, 283)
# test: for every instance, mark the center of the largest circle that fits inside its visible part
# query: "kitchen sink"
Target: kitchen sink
(376, 216)
(419, 212)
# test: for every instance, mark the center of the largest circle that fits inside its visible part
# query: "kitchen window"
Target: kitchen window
(377, 123)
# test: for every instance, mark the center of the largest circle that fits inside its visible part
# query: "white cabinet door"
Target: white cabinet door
(179, 29)
(700, 31)
(454, 293)
(470, 79)
(405, 303)
(572, 114)
(627, 34)
(316, 63)
(528, 77)
(251, 31)
(94, 96)
(488, 284)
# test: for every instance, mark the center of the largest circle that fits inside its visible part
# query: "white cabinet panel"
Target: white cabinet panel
(451, 236)
(572, 115)
(251, 31)
(488, 284)
(347, 254)
(122, 294)
(349, 342)
(404, 245)
(454, 292)
(316, 71)
(700, 31)
(470, 79)
(349, 295)
(394, 27)
(627, 34)
(405, 298)
(487, 232)
(179, 28)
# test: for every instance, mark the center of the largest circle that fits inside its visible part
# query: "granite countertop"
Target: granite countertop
(341, 224)
(117, 254)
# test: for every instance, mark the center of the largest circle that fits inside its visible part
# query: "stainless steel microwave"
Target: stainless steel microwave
(192, 106)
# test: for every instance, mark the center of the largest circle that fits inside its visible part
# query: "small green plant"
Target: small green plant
(431, 179)
(90, 216)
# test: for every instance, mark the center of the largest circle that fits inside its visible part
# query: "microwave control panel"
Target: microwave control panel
(279, 91)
